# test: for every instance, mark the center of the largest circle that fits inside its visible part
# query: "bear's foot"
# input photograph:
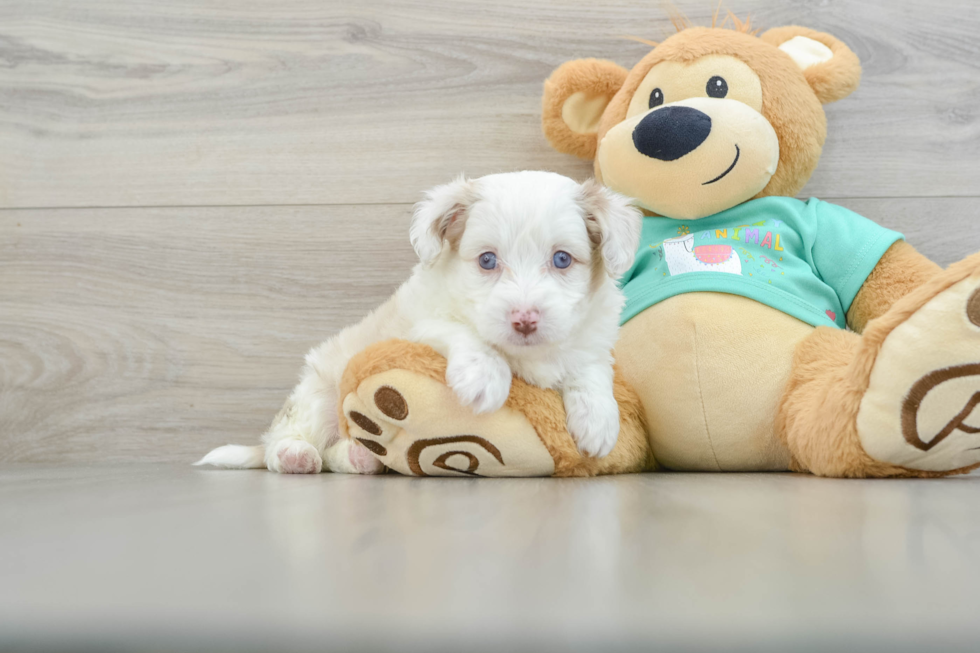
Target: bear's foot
(921, 409)
(395, 402)
(416, 426)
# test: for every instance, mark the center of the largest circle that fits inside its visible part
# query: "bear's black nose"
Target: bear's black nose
(670, 133)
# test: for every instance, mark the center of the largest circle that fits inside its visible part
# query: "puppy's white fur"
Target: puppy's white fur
(467, 313)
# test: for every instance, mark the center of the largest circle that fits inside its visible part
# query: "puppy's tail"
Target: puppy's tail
(235, 456)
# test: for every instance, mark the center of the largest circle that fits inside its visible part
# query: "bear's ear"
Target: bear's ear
(831, 69)
(575, 97)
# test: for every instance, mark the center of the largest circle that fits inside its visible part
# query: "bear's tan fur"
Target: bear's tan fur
(808, 387)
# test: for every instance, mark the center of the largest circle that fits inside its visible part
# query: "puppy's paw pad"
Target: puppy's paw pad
(479, 381)
(362, 458)
(298, 457)
(593, 423)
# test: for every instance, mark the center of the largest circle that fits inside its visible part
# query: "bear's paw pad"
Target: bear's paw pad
(416, 426)
(922, 406)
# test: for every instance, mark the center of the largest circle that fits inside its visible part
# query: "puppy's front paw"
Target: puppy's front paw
(362, 461)
(479, 380)
(296, 457)
(346, 456)
(593, 422)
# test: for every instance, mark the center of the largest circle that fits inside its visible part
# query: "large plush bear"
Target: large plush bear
(761, 332)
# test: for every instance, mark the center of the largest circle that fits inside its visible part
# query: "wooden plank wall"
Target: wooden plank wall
(194, 192)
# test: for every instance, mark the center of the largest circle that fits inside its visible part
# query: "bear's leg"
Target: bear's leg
(818, 412)
(395, 401)
(903, 398)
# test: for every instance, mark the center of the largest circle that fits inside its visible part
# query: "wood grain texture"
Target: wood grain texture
(945, 230)
(237, 102)
(133, 333)
(154, 334)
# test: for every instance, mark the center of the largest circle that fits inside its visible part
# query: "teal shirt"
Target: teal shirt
(806, 259)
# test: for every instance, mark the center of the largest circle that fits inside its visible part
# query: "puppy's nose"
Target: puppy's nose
(669, 133)
(525, 322)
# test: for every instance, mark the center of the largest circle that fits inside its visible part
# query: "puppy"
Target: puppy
(517, 275)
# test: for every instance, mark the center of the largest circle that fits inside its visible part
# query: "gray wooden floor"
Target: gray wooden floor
(163, 557)
(193, 193)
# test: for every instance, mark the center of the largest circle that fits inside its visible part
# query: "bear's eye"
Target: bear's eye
(717, 87)
(656, 98)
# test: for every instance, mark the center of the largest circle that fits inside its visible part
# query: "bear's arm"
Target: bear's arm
(900, 270)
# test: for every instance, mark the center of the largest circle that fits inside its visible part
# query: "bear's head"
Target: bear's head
(710, 118)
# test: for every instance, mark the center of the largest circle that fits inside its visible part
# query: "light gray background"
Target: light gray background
(194, 193)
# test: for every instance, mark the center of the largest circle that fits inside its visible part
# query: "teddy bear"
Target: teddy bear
(761, 332)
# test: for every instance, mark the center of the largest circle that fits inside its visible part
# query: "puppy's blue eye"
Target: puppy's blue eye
(561, 260)
(488, 260)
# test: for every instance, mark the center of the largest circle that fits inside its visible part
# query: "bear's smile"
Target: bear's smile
(738, 153)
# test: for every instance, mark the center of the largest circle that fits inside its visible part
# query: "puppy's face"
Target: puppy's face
(524, 262)
(523, 253)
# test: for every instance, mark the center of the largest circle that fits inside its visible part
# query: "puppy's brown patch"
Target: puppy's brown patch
(597, 270)
(593, 201)
(451, 227)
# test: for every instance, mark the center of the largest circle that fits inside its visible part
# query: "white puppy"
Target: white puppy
(517, 276)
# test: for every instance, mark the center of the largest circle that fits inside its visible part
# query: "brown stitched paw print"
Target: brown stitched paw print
(922, 406)
(416, 426)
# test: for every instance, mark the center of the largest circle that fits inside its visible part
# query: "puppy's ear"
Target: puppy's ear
(830, 67)
(613, 224)
(441, 217)
(575, 97)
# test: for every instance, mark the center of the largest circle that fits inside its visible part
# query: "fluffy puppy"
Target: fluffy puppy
(517, 275)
